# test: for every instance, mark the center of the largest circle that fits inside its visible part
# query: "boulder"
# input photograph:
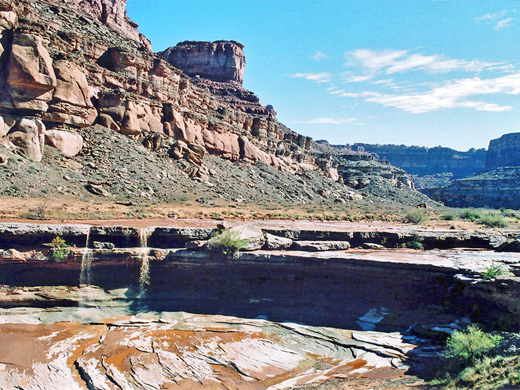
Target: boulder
(372, 246)
(222, 144)
(190, 151)
(69, 144)
(274, 242)
(317, 246)
(71, 84)
(28, 136)
(31, 78)
(107, 121)
(253, 234)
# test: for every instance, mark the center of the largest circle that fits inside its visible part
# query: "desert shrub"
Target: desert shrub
(491, 373)
(415, 216)
(39, 212)
(471, 215)
(228, 242)
(59, 248)
(492, 271)
(510, 213)
(415, 244)
(471, 344)
(448, 217)
(494, 220)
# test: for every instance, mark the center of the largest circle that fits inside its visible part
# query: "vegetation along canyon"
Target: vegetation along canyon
(353, 223)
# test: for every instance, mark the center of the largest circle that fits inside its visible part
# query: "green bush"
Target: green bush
(494, 220)
(415, 244)
(471, 344)
(228, 242)
(448, 217)
(471, 215)
(415, 216)
(492, 271)
(59, 248)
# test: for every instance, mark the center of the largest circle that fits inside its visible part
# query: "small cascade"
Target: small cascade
(144, 275)
(85, 276)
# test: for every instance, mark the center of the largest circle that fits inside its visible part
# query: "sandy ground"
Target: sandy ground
(71, 210)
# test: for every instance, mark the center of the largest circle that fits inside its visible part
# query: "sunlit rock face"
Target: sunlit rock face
(110, 12)
(504, 152)
(217, 61)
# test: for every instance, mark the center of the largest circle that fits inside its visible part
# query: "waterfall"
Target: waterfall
(85, 276)
(144, 275)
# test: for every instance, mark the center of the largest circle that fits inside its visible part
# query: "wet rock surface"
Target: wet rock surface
(180, 350)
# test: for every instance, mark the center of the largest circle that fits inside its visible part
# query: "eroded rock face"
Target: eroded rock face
(218, 61)
(28, 136)
(68, 143)
(78, 71)
(180, 350)
(504, 152)
(110, 12)
(31, 78)
(495, 188)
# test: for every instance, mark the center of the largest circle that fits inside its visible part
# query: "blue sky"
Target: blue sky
(411, 72)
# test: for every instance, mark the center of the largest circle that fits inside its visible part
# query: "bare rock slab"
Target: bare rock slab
(318, 246)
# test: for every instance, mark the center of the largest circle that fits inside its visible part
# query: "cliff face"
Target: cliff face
(496, 187)
(504, 152)
(422, 161)
(217, 61)
(62, 82)
(65, 66)
(112, 13)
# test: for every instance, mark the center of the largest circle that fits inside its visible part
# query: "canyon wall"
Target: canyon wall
(63, 71)
(423, 161)
(504, 151)
(496, 186)
(67, 66)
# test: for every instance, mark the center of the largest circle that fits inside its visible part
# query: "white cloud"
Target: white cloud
(386, 82)
(357, 79)
(504, 24)
(319, 56)
(451, 95)
(397, 61)
(490, 17)
(315, 77)
(328, 121)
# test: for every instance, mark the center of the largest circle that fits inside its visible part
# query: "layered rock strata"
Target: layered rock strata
(493, 189)
(55, 82)
(496, 186)
(430, 167)
(63, 69)
(217, 61)
(180, 350)
(504, 152)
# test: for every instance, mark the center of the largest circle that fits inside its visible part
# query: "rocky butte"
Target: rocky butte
(217, 61)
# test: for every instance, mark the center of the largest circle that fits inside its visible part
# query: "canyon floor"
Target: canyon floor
(136, 305)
